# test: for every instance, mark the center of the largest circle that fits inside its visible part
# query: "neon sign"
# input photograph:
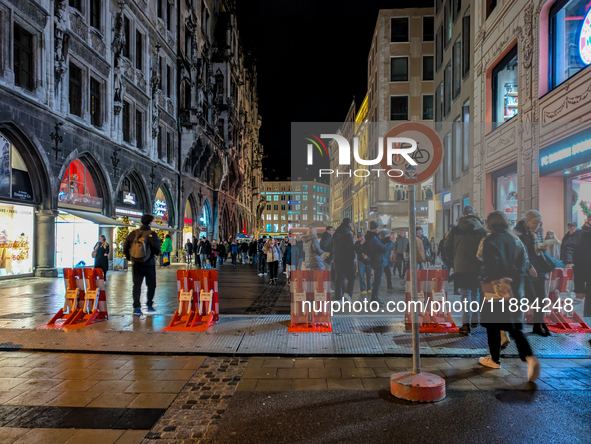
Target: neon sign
(565, 153)
(585, 39)
(160, 207)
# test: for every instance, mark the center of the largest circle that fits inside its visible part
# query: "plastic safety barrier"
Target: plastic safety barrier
(559, 286)
(86, 300)
(312, 287)
(198, 301)
(431, 288)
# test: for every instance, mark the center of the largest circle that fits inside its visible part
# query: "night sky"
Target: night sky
(311, 61)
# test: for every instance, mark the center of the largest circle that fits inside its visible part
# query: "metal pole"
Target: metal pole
(414, 294)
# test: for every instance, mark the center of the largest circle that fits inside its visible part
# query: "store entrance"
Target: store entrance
(75, 240)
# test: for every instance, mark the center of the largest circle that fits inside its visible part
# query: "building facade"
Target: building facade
(532, 88)
(91, 96)
(294, 204)
(454, 106)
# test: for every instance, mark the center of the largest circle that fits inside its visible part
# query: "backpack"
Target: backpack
(140, 249)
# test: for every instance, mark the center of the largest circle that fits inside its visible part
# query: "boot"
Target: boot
(464, 329)
(541, 329)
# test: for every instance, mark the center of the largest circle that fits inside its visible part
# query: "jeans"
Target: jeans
(221, 256)
(377, 281)
(197, 260)
(214, 260)
(253, 258)
(469, 294)
(234, 258)
(262, 262)
(400, 265)
(243, 257)
(342, 274)
(273, 269)
(203, 257)
(388, 274)
(493, 332)
(141, 271)
(299, 264)
(364, 276)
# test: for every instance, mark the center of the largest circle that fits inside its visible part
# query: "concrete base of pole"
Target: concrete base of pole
(417, 387)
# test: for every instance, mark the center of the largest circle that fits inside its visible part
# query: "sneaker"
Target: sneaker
(151, 310)
(533, 368)
(364, 292)
(137, 312)
(390, 288)
(505, 341)
(264, 274)
(369, 291)
(347, 297)
(487, 361)
(464, 329)
(260, 274)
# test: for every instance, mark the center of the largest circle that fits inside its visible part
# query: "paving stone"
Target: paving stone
(309, 384)
(309, 363)
(325, 373)
(273, 385)
(279, 363)
(376, 383)
(291, 373)
(344, 384)
(358, 372)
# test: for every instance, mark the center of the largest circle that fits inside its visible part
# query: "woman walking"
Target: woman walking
(166, 249)
(273, 255)
(214, 254)
(101, 255)
(505, 267)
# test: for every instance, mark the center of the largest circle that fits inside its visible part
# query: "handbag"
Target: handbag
(165, 260)
(94, 251)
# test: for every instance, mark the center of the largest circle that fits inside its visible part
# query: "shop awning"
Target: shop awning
(157, 227)
(97, 218)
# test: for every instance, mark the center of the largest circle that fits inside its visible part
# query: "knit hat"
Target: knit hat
(533, 214)
(468, 210)
(373, 225)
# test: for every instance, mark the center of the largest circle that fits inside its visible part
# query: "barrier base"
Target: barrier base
(435, 324)
(74, 321)
(310, 328)
(562, 323)
(417, 387)
(191, 322)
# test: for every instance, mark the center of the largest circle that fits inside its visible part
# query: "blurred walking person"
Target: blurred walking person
(166, 249)
(273, 256)
(262, 256)
(363, 266)
(377, 253)
(503, 276)
(101, 255)
(400, 247)
(312, 250)
(344, 259)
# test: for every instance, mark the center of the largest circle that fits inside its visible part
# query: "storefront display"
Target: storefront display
(16, 239)
(188, 223)
(160, 208)
(504, 89)
(505, 182)
(570, 39)
(75, 240)
(77, 188)
(581, 198)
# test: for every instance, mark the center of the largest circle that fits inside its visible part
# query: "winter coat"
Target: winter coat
(401, 245)
(569, 242)
(504, 256)
(527, 239)
(376, 250)
(166, 245)
(294, 256)
(300, 245)
(244, 247)
(343, 249)
(582, 254)
(426, 244)
(421, 257)
(188, 248)
(221, 250)
(462, 242)
(252, 248)
(361, 256)
(287, 254)
(273, 252)
(312, 252)
(326, 242)
(234, 248)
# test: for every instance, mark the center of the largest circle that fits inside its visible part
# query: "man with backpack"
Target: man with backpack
(262, 257)
(140, 247)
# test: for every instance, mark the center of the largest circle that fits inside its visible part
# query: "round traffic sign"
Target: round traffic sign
(427, 156)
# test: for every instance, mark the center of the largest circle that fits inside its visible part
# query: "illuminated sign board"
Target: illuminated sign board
(567, 153)
(128, 212)
(423, 208)
(585, 39)
(129, 198)
(159, 207)
(446, 198)
(293, 202)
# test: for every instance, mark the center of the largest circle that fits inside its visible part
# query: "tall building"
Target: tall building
(454, 105)
(400, 88)
(360, 188)
(294, 204)
(91, 97)
(532, 88)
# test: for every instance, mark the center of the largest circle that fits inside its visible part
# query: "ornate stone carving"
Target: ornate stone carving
(141, 80)
(502, 142)
(62, 39)
(78, 26)
(117, 48)
(568, 100)
(156, 93)
(97, 43)
(528, 40)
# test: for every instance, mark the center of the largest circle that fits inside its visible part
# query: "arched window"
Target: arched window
(78, 188)
(15, 182)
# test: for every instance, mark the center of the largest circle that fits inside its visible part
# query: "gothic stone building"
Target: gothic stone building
(120, 108)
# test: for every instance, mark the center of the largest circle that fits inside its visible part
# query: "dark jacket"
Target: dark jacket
(461, 244)
(401, 245)
(343, 249)
(100, 260)
(287, 254)
(426, 244)
(294, 255)
(244, 247)
(252, 248)
(582, 254)
(503, 256)
(188, 248)
(376, 250)
(221, 250)
(527, 239)
(326, 242)
(313, 252)
(153, 242)
(569, 242)
(361, 256)
(300, 245)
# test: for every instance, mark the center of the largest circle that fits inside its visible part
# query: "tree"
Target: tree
(122, 233)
